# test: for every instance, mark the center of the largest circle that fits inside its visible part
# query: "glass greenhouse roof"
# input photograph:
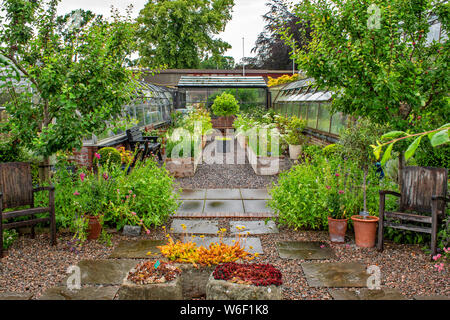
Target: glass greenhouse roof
(302, 90)
(222, 82)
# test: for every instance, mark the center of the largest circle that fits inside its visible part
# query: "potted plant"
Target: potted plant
(356, 141)
(335, 205)
(294, 137)
(225, 107)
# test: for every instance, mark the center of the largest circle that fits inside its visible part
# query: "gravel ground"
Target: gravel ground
(34, 265)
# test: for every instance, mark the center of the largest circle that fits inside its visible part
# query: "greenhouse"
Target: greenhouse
(302, 99)
(249, 91)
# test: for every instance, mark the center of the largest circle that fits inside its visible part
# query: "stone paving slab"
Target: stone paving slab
(191, 206)
(251, 245)
(195, 226)
(85, 293)
(15, 296)
(335, 274)
(255, 194)
(223, 206)
(366, 294)
(305, 250)
(105, 272)
(254, 227)
(223, 194)
(137, 249)
(193, 194)
(256, 206)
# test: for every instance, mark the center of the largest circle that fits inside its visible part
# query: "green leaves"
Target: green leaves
(412, 148)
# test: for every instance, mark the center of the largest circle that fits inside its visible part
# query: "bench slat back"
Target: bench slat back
(419, 185)
(134, 134)
(16, 184)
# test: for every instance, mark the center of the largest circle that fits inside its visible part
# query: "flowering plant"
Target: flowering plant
(148, 272)
(442, 260)
(255, 274)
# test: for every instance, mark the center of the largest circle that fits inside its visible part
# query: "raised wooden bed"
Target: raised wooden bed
(263, 166)
(223, 123)
(183, 167)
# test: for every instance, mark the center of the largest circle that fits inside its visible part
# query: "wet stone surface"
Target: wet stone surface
(191, 206)
(133, 231)
(137, 249)
(251, 245)
(223, 194)
(224, 206)
(104, 272)
(254, 227)
(256, 206)
(335, 274)
(85, 293)
(255, 194)
(366, 294)
(15, 296)
(304, 250)
(193, 194)
(195, 226)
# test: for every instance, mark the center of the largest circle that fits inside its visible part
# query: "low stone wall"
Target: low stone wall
(225, 290)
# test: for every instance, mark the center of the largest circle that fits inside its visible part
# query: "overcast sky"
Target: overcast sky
(247, 19)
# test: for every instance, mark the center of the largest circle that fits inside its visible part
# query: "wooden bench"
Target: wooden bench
(16, 190)
(149, 145)
(423, 199)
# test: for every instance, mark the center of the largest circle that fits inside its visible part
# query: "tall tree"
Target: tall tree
(217, 62)
(180, 33)
(271, 50)
(72, 69)
(378, 58)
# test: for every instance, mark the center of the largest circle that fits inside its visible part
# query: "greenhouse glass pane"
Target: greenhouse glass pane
(303, 109)
(289, 109)
(140, 114)
(312, 115)
(338, 123)
(324, 118)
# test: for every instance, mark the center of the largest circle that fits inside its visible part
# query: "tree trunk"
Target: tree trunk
(44, 170)
(365, 190)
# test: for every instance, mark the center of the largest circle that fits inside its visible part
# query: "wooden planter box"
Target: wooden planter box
(263, 166)
(223, 122)
(183, 167)
(225, 290)
(156, 291)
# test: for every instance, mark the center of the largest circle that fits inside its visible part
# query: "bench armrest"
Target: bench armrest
(440, 198)
(153, 139)
(49, 188)
(385, 192)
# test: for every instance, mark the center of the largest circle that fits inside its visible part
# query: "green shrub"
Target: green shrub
(225, 105)
(110, 156)
(332, 151)
(9, 236)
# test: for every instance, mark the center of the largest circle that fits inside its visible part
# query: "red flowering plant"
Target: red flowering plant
(254, 274)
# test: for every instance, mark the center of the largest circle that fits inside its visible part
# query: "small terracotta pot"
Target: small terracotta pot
(337, 229)
(365, 230)
(94, 228)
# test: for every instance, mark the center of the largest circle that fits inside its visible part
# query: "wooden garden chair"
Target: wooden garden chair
(16, 190)
(149, 145)
(423, 199)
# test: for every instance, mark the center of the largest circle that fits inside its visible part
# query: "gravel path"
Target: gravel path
(34, 265)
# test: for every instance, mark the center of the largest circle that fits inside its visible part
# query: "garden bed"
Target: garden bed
(183, 167)
(264, 166)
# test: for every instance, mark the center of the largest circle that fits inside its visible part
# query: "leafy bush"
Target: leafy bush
(109, 156)
(225, 105)
(332, 151)
(9, 236)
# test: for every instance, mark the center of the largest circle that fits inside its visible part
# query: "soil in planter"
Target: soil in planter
(253, 274)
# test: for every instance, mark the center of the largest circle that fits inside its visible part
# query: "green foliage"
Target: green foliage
(75, 75)
(388, 73)
(179, 33)
(225, 105)
(332, 150)
(218, 62)
(109, 156)
(294, 131)
(9, 236)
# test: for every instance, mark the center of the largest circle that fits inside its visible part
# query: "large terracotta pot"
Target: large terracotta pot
(337, 229)
(94, 228)
(365, 230)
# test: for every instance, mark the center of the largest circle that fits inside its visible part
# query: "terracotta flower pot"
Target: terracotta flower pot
(337, 229)
(94, 228)
(365, 230)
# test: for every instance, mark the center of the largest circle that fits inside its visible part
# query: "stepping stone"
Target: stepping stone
(195, 226)
(193, 194)
(85, 293)
(137, 249)
(104, 272)
(223, 194)
(366, 294)
(254, 227)
(255, 194)
(256, 206)
(191, 206)
(335, 274)
(15, 296)
(223, 206)
(305, 250)
(432, 297)
(254, 243)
